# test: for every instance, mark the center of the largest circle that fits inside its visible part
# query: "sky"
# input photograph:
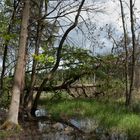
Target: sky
(110, 15)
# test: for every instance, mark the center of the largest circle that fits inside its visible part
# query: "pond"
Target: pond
(72, 129)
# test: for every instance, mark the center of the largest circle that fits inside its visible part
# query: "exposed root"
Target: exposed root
(7, 125)
(30, 117)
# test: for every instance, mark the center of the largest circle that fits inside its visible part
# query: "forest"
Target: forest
(69, 70)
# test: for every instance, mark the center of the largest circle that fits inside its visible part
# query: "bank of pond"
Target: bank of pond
(82, 119)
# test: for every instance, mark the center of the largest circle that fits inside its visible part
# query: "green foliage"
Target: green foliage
(3, 25)
(8, 37)
(8, 3)
(112, 87)
(74, 62)
(77, 57)
(43, 58)
(109, 66)
(111, 116)
(110, 76)
(51, 59)
(5, 98)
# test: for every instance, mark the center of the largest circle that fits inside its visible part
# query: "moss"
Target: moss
(7, 125)
(5, 134)
(9, 129)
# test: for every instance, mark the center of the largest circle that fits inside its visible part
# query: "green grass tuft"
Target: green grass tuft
(112, 116)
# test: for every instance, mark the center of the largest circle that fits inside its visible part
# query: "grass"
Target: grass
(7, 134)
(112, 116)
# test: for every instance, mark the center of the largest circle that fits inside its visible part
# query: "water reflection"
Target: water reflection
(61, 136)
(87, 125)
(60, 131)
(40, 112)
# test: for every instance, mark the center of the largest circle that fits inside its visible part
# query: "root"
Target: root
(7, 125)
(30, 117)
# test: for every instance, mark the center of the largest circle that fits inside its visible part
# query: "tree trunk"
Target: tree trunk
(58, 58)
(29, 100)
(126, 54)
(133, 53)
(12, 119)
(21, 110)
(137, 77)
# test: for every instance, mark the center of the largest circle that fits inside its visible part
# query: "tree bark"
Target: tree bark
(28, 101)
(12, 117)
(133, 53)
(126, 54)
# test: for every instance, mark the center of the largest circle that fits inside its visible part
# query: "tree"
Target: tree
(129, 72)
(126, 53)
(12, 119)
(128, 102)
(29, 98)
(58, 58)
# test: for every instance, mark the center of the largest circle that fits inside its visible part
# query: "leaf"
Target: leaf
(51, 59)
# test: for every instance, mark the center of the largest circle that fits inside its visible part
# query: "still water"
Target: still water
(89, 130)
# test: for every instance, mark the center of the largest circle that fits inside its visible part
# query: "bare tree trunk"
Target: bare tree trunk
(137, 77)
(126, 54)
(12, 118)
(21, 111)
(28, 102)
(133, 53)
(58, 58)
(137, 66)
(3, 66)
